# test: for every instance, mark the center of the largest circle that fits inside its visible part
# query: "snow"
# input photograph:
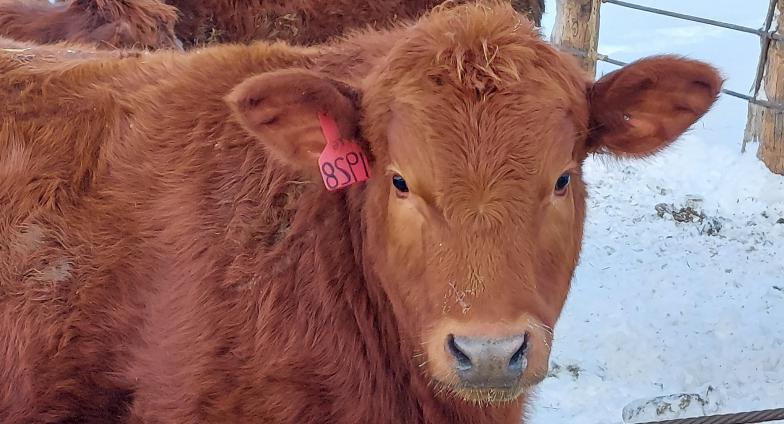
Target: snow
(658, 308)
(661, 308)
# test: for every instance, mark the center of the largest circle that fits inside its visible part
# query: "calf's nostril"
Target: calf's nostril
(517, 359)
(463, 361)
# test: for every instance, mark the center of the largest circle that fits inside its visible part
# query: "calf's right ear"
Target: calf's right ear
(282, 108)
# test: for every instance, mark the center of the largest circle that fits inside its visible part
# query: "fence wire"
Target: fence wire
(742, 418)
(766, 33)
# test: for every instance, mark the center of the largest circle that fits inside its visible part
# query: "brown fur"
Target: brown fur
(168, 252)
(107, 23)
(25, 51)
(151, 23)
(300, 21)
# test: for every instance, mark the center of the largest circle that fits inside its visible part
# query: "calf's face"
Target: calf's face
(475, 206)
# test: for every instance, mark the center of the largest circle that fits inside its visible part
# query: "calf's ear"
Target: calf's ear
(643, 107)
(282, 108)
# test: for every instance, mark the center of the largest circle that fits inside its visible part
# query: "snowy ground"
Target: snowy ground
(662, 307)
(659, 307)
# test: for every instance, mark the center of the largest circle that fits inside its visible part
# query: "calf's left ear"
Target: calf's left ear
(281, 109)
(643, 107)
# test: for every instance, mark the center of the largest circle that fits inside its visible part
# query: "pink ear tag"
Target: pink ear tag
(342, 163)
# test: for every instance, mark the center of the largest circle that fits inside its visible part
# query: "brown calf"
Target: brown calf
(169, 252)
(151, 23)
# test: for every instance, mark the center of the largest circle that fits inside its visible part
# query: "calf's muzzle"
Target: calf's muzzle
(488, 363)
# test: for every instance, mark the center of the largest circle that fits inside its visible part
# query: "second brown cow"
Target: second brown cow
(195, 23)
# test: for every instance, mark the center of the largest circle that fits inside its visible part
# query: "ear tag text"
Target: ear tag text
(342, 162)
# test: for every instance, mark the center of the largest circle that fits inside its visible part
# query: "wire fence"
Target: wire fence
(760, 32)
(765, 34)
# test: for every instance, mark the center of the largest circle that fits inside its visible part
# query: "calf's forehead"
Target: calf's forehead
(454, 137)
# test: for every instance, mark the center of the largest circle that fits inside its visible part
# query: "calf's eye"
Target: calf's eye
(400, 185)
(562, 183)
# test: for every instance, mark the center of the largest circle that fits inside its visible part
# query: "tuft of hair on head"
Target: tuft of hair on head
(480, 45)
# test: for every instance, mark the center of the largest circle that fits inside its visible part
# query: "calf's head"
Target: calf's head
(475, 207)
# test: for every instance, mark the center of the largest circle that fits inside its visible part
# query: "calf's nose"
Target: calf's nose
(482, 362)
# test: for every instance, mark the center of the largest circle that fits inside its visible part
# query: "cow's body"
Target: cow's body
(194, 23)
(165, 258)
